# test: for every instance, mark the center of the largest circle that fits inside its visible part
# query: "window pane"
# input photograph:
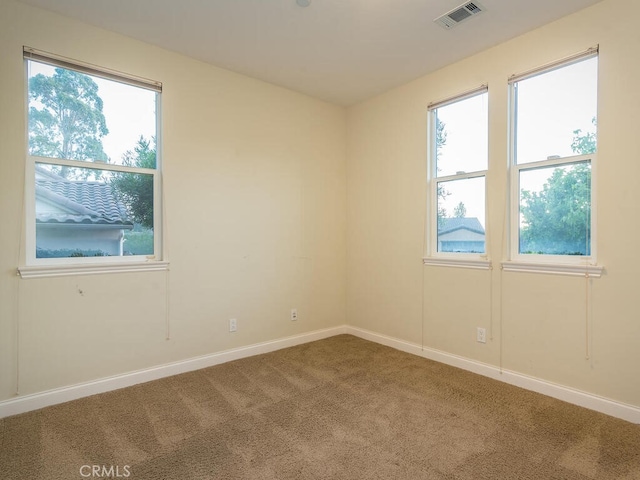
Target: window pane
(461, 214)
(555, 210)
(556, 113)
(461, 136)
(75, 116)
(82, 212)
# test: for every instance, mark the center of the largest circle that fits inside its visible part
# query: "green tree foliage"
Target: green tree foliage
(65, 117)
(441, 141)
(68, 252)
(443, 193)
(584, 143)
(138, 242)
(460, 211)
(135, 190)
(557, 220)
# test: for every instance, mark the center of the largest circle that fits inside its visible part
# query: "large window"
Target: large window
(93, 169)
(553, 151)
(458, 162)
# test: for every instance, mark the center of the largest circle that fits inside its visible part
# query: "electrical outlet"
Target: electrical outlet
(294, 314)
(233, 325)
(481, 335)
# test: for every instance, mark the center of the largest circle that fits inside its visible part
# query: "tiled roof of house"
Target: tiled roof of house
(457, 223)
(85, 202)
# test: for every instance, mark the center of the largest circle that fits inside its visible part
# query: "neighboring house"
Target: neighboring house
(77, 217)
(460, 234)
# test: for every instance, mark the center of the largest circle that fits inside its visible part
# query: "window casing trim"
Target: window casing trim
(514, 233)
(32, 267)
(30, 243)
(127, 266)
(432, 255)
(65, 265)
(462, 260)
(574, 270)
(560, 264)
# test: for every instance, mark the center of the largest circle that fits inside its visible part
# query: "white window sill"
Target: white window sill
(457, 262)
(42, 271)
(577, 270)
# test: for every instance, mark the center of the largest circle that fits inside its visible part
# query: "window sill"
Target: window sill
(43, 271)
(576, 270)
(457, 263)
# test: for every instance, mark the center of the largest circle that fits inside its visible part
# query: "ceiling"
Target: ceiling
(341, 51)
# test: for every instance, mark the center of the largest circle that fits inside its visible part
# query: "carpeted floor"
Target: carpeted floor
(340, 408)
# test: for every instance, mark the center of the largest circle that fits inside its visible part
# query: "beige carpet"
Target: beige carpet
(340, 408)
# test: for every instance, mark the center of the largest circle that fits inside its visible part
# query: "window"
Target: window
(553, 151)
(458, 162)
(93, 166)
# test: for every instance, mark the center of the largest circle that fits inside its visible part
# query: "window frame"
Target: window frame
(433, 256)
(33, 267)
(546, 263)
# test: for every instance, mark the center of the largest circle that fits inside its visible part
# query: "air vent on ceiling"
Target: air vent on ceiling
(460, 14)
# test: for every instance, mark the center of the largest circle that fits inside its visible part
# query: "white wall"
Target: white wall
(255, 198)
(537, 324)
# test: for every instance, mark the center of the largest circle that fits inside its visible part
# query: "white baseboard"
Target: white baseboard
(35, 401)
(626, 412)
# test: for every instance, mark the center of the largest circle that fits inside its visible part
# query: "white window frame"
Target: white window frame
(544, 263)
(433, 256)
(33, 267)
